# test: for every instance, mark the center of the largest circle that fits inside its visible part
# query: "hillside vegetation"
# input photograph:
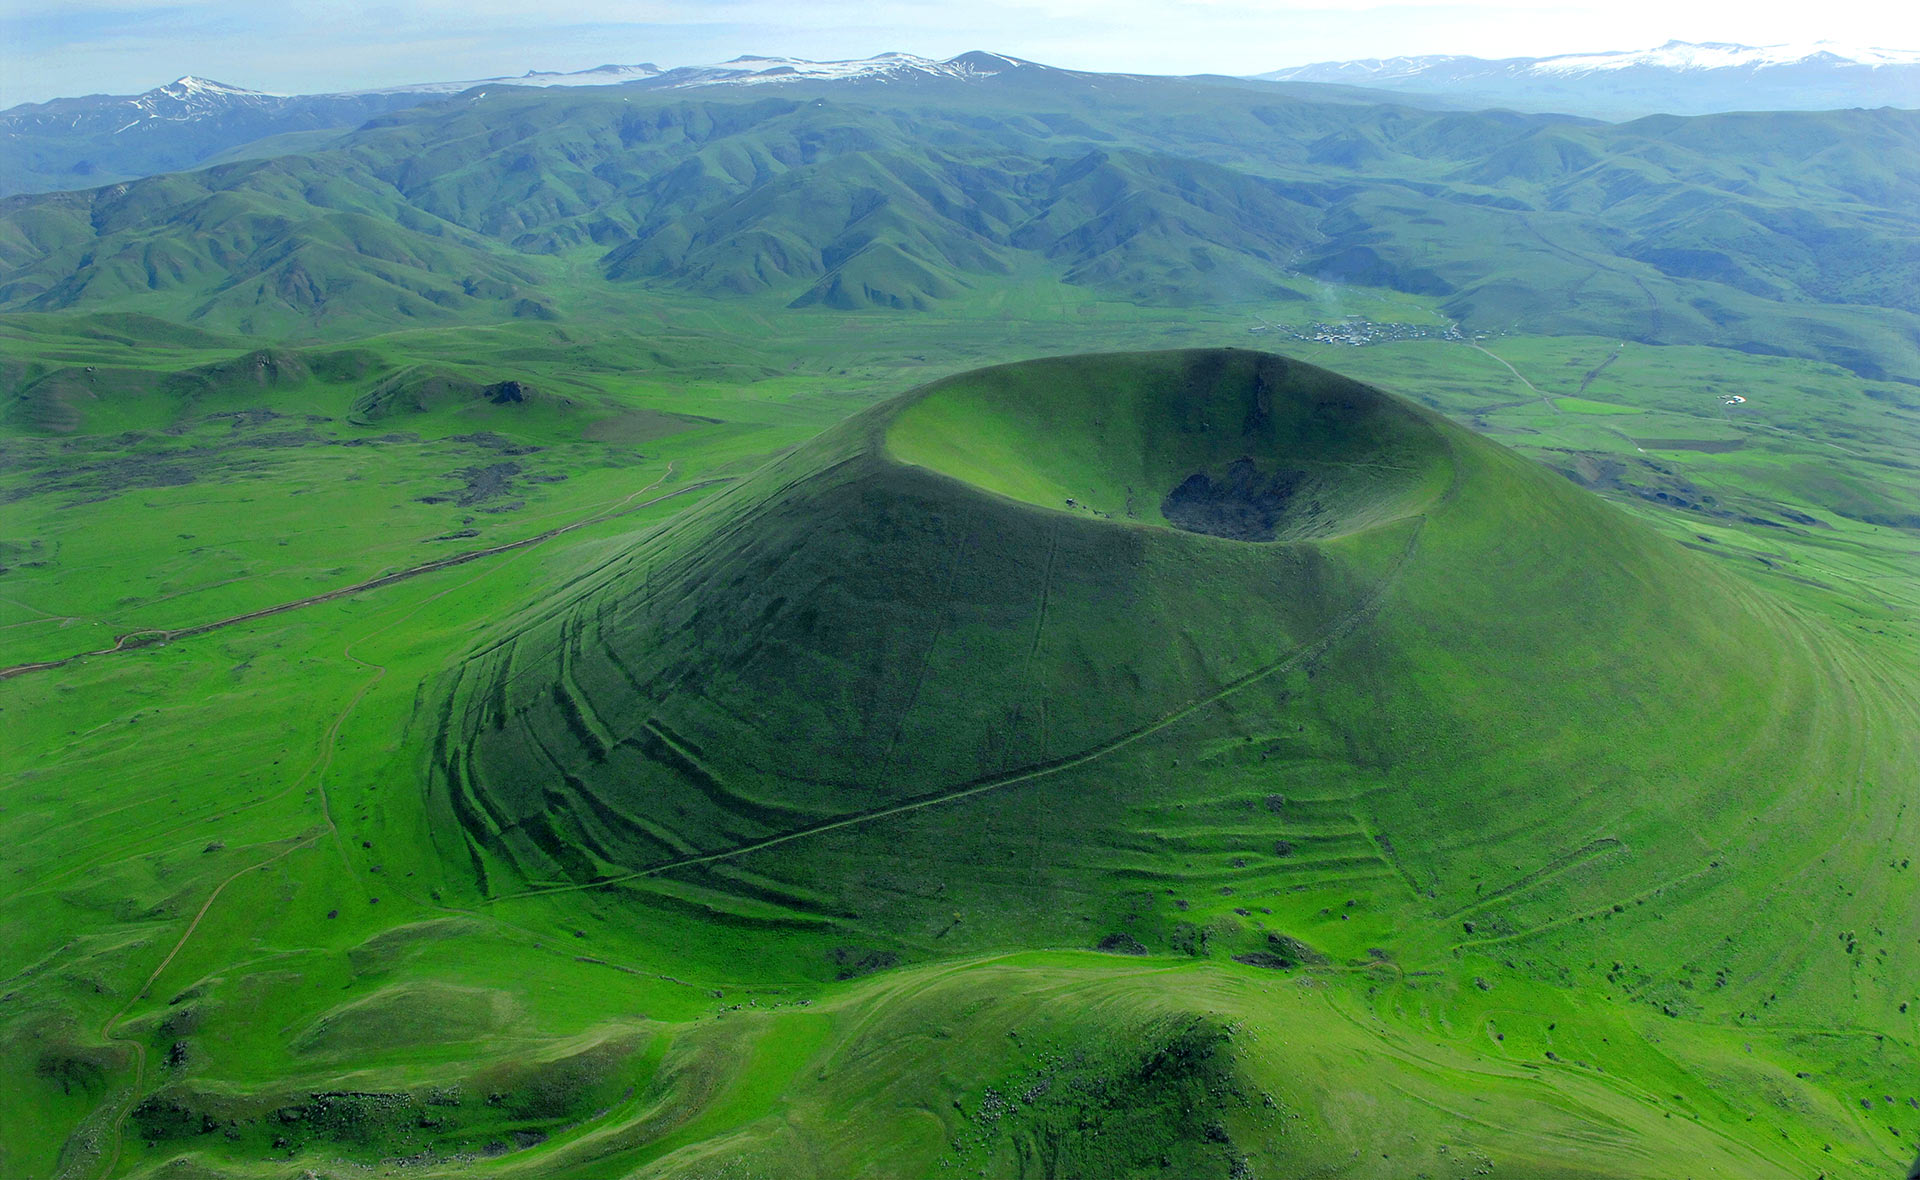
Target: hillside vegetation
(1353, 664)
(1783, 233)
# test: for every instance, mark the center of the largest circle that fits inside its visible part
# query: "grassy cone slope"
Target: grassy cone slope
(847, 632)
(896, 690)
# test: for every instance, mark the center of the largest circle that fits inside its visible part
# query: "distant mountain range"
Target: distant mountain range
(1678, 78)
(1783, 232)
(747, 70)
(80, 142)
(71, 143)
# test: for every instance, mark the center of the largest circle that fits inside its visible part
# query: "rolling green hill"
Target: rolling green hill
(1788, 234)
(1175, 613)
(897, 708)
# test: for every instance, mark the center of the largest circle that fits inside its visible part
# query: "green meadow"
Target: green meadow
(693, 761)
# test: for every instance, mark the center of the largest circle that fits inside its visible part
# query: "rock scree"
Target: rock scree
(1243, 504)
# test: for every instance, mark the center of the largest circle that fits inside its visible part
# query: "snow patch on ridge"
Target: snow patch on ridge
(607, 75)
(188, 86)
(753, 70)
(748, 70)
(1717, 55)
(1678, 56)
(188, 98)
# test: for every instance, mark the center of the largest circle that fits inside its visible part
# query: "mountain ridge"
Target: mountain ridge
(67, 143)
(72, 142)
(1782, 233)
(1678, 77)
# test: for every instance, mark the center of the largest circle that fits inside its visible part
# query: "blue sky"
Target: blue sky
(63, 47)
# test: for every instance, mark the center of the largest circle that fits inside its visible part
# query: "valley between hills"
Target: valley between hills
(1036, 625)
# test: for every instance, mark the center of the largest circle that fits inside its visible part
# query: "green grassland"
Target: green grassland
(247, 935)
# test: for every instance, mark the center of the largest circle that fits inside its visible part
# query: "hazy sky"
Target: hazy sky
(64, 47)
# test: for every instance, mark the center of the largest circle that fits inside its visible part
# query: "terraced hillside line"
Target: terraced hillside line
(1591, 850)
(1382, 846)
(684, 758)
(1335, 632)
(1598, 912)
(566, 595)
(152, 636)
(681, 749)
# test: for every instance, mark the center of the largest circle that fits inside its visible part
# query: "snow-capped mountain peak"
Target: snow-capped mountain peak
(607, 75)
(188, 98)
(1721, 55)
(187, 86)
(747, 70)
(755, 70)
(1679, 77)
(98, 138)
(1674, 55)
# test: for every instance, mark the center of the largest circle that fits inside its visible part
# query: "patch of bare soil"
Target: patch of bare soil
(483, 483)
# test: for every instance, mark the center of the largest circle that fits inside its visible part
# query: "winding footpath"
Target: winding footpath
(152, 636)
